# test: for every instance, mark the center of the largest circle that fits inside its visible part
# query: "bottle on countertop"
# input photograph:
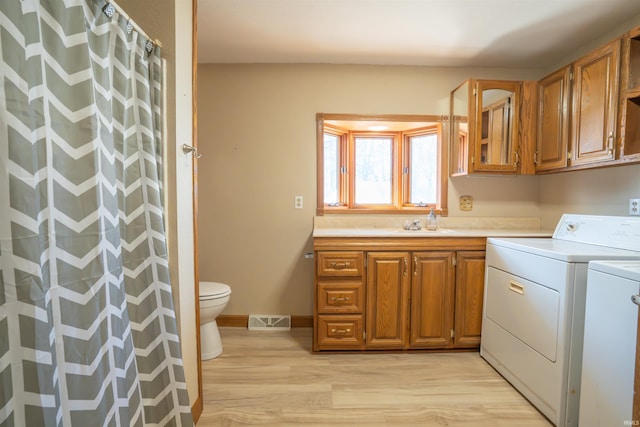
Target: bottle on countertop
(432, 221)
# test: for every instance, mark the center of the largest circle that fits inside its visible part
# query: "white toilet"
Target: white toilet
(214, 297)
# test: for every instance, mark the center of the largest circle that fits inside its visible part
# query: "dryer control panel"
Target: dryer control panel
(614, 231)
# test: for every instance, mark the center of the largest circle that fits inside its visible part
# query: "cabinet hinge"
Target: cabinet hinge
(454, 261)
(453, 333)
(364, 335)
(475, 92)
(570, 76)
(473, 160)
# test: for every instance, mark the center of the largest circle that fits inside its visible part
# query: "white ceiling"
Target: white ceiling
(458, 33)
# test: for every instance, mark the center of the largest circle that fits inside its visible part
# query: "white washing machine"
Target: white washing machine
(609, 351)
(534, 303)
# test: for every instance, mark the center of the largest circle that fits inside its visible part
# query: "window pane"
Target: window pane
(424, 169)
(373, 179)
(331, 168)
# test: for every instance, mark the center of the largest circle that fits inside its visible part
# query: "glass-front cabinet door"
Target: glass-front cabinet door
(485, 127)
(460, 104)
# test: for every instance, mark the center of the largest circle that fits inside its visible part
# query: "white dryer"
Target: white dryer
(534, 304)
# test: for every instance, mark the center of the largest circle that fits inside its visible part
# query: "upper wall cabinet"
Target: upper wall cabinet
(595, 104)
(577, 107)
(629, 117)
(485, 123)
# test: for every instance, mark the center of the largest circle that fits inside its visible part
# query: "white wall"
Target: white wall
(598, 192)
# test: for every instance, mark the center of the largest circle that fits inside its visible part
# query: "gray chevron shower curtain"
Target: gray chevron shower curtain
(88, 334)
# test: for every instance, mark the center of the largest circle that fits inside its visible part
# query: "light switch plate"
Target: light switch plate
(466, 203)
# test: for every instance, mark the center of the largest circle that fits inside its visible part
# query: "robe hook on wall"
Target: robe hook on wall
(186, 149)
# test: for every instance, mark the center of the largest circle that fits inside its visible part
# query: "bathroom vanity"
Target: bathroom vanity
(385, 288)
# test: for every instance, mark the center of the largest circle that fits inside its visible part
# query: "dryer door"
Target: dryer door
(525, 309)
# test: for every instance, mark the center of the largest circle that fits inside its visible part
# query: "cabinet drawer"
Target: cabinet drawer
(344, 297)
(332, 264)
(341, 332)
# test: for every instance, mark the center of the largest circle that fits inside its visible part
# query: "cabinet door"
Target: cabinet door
(469, 298)
(629, 106)
(461, 128)
(387, 300)
(496, 144)
(432, 299)
(595, 104)
(553, 120)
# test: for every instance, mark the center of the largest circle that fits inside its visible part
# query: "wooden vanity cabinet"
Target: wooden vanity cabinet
(577, 110)
(427, 298)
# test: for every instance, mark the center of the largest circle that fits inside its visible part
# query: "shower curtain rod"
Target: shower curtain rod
(137, 27)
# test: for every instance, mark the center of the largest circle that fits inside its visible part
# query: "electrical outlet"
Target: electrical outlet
(466, 203)
(297, 202)
(634, 206)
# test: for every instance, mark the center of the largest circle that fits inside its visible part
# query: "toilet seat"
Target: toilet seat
(213, 290)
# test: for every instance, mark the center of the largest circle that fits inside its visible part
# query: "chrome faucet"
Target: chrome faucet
(415, 225)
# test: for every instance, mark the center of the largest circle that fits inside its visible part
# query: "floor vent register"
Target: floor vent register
(269, 322)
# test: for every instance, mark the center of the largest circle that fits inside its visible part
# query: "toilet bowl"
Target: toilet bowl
(214, 297)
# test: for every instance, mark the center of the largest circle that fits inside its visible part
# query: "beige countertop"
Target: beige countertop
(392, 232)
(393, 226)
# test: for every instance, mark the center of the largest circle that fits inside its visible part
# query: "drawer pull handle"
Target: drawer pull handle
(516, 287)
(340, 331)
(340, 299)
(340, 265)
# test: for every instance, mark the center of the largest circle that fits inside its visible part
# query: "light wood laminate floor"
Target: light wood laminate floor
(273, 379)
